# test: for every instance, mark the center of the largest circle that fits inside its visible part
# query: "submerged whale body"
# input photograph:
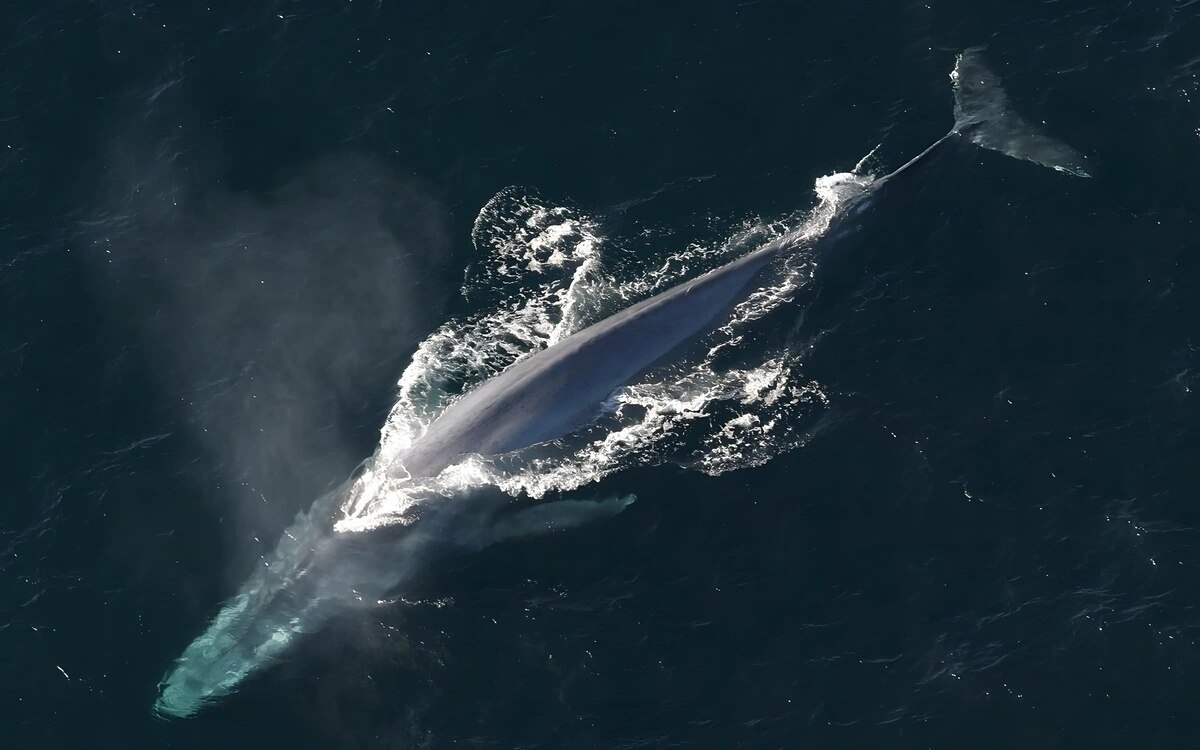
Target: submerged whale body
(315, 572)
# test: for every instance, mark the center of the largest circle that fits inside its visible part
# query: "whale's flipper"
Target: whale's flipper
(556, 516)
(982, 115)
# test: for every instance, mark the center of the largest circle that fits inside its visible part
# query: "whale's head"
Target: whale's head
(282, 601)
(241, 639)
(312, 574)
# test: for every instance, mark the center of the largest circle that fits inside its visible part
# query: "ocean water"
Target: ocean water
(934, 487)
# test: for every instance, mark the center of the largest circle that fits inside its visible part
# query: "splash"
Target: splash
(543, 277)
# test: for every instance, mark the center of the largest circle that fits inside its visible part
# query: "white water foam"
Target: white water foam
(542, 277)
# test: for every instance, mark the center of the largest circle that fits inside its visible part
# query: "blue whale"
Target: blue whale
(316, 572)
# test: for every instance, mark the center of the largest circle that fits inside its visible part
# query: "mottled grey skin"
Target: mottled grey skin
(554, 391)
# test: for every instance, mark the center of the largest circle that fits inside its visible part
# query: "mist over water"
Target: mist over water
(934, 489)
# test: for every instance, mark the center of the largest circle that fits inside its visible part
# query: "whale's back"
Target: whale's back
(556, 390)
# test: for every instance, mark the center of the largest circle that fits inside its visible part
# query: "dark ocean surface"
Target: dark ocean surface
(226, 228)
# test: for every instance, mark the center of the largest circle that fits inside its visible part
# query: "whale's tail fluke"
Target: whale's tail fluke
(983, 116)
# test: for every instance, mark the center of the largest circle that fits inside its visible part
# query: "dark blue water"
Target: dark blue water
(224, 232)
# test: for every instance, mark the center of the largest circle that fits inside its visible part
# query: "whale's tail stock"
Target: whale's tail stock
(983, 115)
